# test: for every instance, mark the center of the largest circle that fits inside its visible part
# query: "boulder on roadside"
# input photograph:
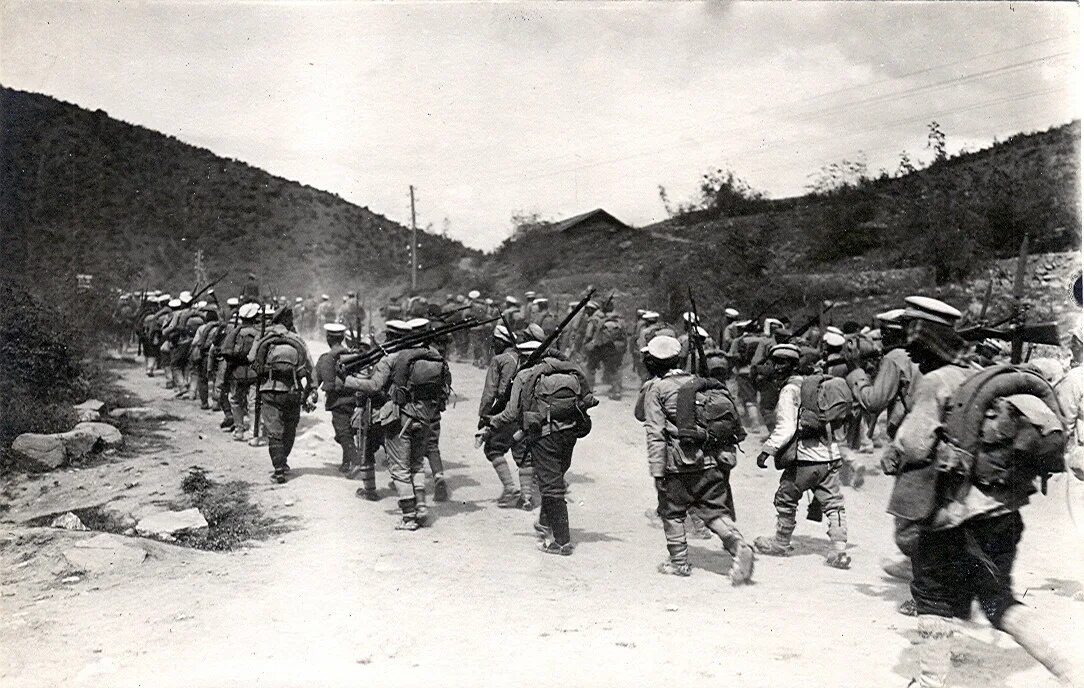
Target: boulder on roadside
(165, 525)
(68, 521)
(87, 416)
(104, 552)
(105, 433)
(38, 453)
(90, 405)
(140, 413)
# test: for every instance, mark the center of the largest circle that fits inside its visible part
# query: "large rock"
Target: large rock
(38, 453)
(68, 521)
(87, 416)
(139, 413)
(90, 405)
(105, 552)
(166, 524)
(105, 433)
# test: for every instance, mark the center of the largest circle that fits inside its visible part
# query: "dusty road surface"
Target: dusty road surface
(342, 599)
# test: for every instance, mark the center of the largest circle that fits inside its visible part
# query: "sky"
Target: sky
(496, 109)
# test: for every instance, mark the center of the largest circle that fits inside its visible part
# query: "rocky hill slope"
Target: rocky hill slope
(83, 192)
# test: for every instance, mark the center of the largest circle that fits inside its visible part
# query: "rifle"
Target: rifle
(812, 321)
(365, 359)
(443, 316)
(256, 412)
(552, 337)
(198, 293)
(699, 362)
(608, 304)
(1020, 331)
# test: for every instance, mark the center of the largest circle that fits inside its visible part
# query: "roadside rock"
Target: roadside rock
(87, 416)
(166, 524)
(105, 552)
(139, 413)
(90, 405)
(38, 453)
(105, 433)
(68, 521)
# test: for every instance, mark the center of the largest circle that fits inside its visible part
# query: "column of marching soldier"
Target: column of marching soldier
(817, 391)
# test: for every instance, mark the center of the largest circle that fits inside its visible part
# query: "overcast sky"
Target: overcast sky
(492, 109)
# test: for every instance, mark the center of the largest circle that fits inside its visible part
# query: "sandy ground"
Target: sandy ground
(345, 600)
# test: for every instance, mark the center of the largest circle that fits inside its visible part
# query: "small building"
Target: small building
(593, 221)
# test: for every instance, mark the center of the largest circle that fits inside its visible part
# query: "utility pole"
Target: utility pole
(413, 245)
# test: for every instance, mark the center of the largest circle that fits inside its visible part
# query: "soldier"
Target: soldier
(415, 382)
(151, 333)
(967, 548)
(730, 328)
(351, 314)
(337, 401)
(325, 311)
(543, 316)
(512, 313)
(527, 310)
(235, 349)
(494, 399)
(441, 491)
(606, 340)
(741, 352)
(1070, 390)
(548, 402)
(690, 472)
(220, 368)
(649, 327)
(201, 344)
(810, 460)
(284, 373)
(892, 389)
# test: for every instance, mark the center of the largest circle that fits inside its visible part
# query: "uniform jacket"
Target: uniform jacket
(809, 450)
(502, 368)
(892, 390)
(326, 378)
(1070, 391)
(243, 338)
(656, 408)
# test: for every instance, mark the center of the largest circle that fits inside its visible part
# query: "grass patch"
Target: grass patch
(232, 517)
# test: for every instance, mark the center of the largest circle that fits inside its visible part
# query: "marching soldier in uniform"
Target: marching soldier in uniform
(340, 403)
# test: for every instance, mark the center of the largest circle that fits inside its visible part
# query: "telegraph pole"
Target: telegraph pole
(413, 245)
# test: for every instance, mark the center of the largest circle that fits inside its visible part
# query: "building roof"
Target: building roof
(596, 214)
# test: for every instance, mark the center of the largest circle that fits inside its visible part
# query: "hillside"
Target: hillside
(943, 226)
(83, 192)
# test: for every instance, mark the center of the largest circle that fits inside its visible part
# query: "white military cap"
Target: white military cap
(249, 311)
(232, 301)
(334, 328)
(649, 315)
(834, 339)
(298, 300)
(473, 294)
(541, 299)
(529, 294)
(174, 303)
(417, 323)
(186, 298)
(689, 316)
(785, 351)
(891, 316)
(489, 302)
(528, 345)
(701, 332)
(768, 322)
(731, 313)
(834, 329)
(534, 331)
(932, 310)
(663, 347)
(501, 332)
(201, 304)
(397, 326)
(324, 297)
(511, 299)
(184, 295)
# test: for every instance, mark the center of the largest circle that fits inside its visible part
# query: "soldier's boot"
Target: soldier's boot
(239, 434)
(421, 512)
(409, 521)
(935, 652)
(510, 494)
(368, 484)
(837, 533)
(441, 493)
(899, 568)
(258, 441)
(677, 546)
(778, 546)
(1027, 628)
(742, 557)
(542, 527)
(529, 499)
(695, 525)
(557, 513)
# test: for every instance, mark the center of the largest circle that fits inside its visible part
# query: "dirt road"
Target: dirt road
(345, 600)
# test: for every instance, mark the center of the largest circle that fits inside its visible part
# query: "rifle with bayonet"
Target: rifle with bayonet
(197, 293)
(698, 365)
(812, 321)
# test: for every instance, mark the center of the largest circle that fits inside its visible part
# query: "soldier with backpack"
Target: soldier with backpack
(741, 352)
(284, 375)
(693, 430)
(337, 401)
(495, 395)
(606, 342)
(965, 458)
(235, 349)
(151, 333)
(220, 370)
(811, 411)
(416, 383)
(201, 345)
(548, 405)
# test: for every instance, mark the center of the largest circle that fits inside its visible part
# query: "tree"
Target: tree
(935, 140)
(906, 166)
(724, 194)
(839, 177)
